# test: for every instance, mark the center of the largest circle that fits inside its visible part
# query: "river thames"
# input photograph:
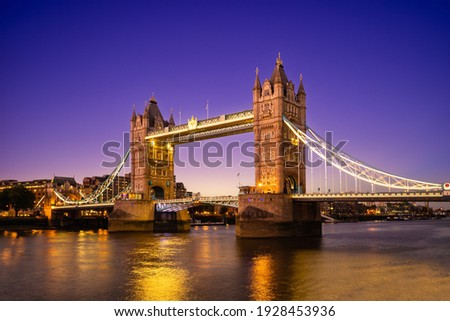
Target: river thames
(407, 260)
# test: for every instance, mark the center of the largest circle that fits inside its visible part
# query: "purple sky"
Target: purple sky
(376, 74)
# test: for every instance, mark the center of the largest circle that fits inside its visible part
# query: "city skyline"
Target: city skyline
(376, 75)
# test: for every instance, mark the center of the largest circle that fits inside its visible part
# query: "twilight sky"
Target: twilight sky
(376, 73)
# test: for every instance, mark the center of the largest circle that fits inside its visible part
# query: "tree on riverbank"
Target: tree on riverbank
(17, 197)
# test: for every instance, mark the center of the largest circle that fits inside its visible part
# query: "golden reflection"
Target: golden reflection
(6, 256)
(92, 252)
(102, 235)
(163, 283)
(156, 275)
(13, 251)
(261, 278)
(51, 233)
(82, 255)
(55, 255)
(10, 234)
(102, 232)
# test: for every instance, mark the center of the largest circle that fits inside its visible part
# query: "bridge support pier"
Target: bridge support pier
(139, 216)
(132, 216)
(277, 215)
(168, 222)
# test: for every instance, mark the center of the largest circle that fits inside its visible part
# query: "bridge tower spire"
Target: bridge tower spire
(257, 86)
(171, 120)
(301, 98)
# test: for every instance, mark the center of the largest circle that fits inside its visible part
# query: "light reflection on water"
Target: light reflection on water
(354, 261)
(156, 273)
(261, 274)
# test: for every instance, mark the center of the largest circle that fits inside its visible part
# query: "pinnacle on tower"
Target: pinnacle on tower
(279, 61)
(152, 99)
(171, 120)
(257, 85)
(278, 74)
(301, 89)
(146, 111)
(133, 115)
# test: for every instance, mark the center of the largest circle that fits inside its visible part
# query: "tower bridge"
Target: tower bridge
(277, 205)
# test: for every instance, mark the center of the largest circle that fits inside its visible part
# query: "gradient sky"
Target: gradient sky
(376, 73)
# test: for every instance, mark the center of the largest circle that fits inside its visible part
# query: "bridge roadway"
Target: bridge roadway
(232, 201)
(170, 205)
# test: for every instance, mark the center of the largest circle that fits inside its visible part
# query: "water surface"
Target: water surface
(352, 261)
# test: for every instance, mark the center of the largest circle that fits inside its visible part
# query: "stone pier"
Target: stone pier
(132, 215)
(277, 215)
(139, 215)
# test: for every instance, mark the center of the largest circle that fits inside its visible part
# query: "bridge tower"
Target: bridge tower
(280, 165)
(152, 170)
(267, 209)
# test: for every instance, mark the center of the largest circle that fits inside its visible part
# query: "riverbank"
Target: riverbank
(23, 223)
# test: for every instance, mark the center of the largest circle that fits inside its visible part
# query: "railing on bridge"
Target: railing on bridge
(184, 203)
(369, 197)
(209, 128)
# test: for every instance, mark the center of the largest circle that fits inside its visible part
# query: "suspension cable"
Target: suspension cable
(99, 191)
(354, 167)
